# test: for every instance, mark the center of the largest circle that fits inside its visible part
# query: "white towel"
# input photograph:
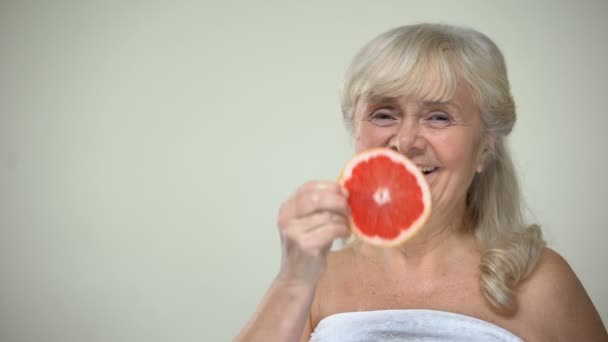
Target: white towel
(408, 325)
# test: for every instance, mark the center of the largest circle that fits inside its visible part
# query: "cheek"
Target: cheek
(368, 136)
(457, 152)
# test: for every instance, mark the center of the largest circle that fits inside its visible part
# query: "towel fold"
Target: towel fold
(408, 325)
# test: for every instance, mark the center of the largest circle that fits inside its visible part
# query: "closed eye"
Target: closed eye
(439, 119)
(383, 118)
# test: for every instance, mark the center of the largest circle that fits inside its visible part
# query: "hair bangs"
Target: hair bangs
(427, 71)
(431, 79)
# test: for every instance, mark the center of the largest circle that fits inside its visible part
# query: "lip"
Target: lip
(433, 169)
(431, 175)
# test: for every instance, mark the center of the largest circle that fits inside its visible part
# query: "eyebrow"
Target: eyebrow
(441, 103)
(381, 100)
(430, 103)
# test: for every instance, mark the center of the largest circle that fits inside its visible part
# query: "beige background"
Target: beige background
(146, 146)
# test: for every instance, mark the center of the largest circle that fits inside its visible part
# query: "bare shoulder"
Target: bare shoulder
(341, 262)
(341, 257)
(554, 299)
(339, 265)
(334, 284)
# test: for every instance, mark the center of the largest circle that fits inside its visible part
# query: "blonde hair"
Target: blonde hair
(398, 62)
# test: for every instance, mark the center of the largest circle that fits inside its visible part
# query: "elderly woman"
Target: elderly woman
(476, 272)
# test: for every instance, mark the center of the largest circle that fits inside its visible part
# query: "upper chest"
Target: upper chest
(369, 286)
(374, 285)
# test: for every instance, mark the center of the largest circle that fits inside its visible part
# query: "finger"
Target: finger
(330, 186)
(298, 228)
(297, 205)
(321, 238)
(318, 200)
(317, 220)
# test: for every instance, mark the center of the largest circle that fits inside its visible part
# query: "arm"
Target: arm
(558, 303)
(283, 315)
(308, 223)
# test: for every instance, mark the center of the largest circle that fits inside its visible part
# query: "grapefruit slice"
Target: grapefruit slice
(388, 197)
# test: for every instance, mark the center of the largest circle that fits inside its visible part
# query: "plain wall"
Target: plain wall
(145, 148)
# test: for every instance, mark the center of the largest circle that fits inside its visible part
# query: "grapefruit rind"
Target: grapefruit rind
(415, 227)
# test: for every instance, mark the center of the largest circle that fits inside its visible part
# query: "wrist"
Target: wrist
(295, 286)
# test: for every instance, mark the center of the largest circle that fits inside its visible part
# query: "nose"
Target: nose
(408, 139)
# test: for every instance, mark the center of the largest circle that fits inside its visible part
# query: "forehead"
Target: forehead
(461, 99)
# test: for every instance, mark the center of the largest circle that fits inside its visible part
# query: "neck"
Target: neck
(435, 240)
(439, 240)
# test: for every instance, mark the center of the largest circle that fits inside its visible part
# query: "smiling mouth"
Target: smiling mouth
(427, 170)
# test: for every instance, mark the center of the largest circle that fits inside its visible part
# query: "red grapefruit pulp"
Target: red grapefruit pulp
(388, 196)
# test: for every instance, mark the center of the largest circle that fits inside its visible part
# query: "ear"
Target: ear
(488, 147)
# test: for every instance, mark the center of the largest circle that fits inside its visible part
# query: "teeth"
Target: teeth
(426, 169)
